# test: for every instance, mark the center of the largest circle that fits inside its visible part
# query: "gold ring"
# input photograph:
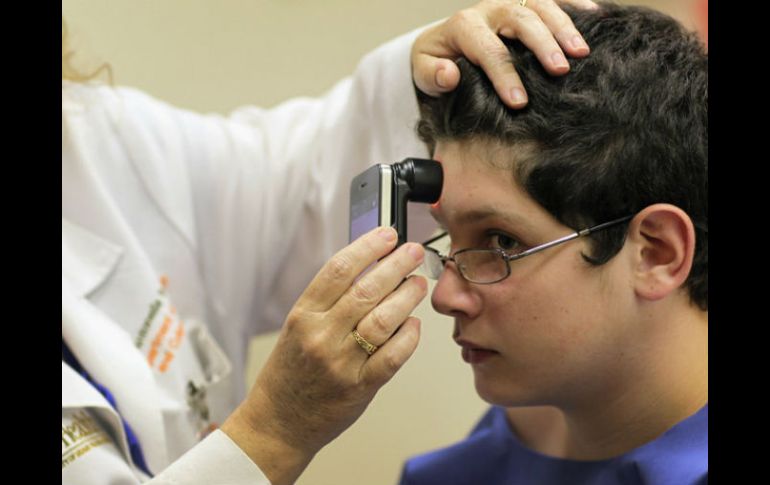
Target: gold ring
(522, 3)
(368, 347)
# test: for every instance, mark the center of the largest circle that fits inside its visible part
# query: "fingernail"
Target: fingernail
(559, 60)
(416, 251)
(421, 282)
(578, 43)
(439, 78)
(387, 233)
(518, 96)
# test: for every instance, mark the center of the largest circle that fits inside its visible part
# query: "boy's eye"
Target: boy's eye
(506, 243)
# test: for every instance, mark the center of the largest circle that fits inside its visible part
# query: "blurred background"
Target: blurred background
(215, 56)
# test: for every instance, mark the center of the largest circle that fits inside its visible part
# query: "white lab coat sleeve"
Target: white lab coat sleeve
(216, 459)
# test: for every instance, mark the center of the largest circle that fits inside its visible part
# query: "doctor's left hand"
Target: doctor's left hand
(319, 379)
(541, 25)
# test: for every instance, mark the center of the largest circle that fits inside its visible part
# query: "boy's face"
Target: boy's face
(555, 331)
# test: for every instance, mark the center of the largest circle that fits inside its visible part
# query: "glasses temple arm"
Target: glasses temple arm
(605, 225)
(434, 238)
(569, 237)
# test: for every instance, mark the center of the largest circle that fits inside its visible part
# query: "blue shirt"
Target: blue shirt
(493, 455)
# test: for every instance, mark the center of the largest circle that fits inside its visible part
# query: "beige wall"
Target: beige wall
(214, 56)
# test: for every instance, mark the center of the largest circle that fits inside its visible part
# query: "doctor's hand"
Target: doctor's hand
(541, 25)
(318, 379)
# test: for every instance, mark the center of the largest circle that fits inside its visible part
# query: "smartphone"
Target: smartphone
(371, 203)
(379, 195)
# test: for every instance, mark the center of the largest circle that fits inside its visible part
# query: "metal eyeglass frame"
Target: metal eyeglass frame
(512, 257)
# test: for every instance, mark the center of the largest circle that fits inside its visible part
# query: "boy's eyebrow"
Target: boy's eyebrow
(478, 215)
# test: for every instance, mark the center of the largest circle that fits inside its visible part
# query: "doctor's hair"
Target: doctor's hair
(68, 70)
(627, 127)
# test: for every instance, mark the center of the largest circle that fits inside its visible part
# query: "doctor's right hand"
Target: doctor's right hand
(319, 378)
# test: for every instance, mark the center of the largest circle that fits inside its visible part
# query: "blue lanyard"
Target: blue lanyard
(133, 441)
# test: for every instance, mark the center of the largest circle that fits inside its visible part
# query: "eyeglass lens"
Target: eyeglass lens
(481, 266)
(476, 265)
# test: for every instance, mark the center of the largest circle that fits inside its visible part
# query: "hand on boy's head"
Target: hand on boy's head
(541, 25)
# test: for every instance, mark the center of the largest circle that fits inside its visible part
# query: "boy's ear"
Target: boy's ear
(663, 238)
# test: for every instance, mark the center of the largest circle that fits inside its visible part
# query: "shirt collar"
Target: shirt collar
(87, 259)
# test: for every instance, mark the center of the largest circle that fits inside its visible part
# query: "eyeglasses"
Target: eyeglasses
(492, 265)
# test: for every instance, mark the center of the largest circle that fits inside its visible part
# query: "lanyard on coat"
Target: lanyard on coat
(133, 440)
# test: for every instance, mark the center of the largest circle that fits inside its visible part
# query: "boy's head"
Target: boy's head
(623, 134)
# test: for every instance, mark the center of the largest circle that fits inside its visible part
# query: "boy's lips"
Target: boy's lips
(473, 353)
(471, 345)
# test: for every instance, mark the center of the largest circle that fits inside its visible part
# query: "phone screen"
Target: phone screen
(364, 217)
(370, 202)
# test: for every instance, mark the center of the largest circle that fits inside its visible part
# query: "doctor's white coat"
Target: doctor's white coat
(184, 235)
